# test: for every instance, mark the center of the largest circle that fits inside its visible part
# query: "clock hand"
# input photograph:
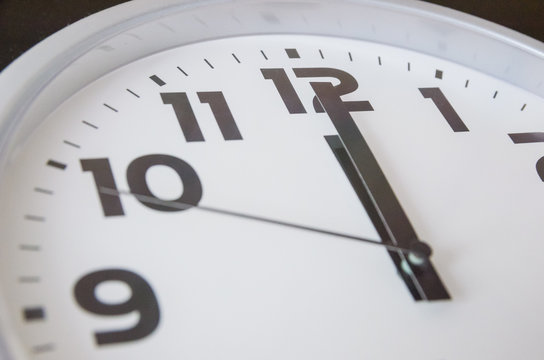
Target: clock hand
(374, 191)
(417, 250)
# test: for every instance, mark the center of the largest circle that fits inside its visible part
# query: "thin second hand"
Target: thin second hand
(182, 206)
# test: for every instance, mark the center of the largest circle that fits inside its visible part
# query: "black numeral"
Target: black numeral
(444, 106)
(103, 179)
(136, 177)
(142, 301)
(187, 119)
(184, 113)
(288, 94)
(529, 138)
(109, 195)
(286, 90)
(222, 114)
(347, 85)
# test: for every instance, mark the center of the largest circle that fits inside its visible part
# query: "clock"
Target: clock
(273, 179)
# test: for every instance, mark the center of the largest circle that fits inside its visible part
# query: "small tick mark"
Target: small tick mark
(133, 93)
(43, 348)
(27, 247)
(43, 191)
(29, 279)
(111, 108)
(72, 144)
(34, 218)
(89, 124)
(180, 69)
(209, 64)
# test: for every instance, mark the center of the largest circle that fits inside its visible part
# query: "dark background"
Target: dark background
(25, 22)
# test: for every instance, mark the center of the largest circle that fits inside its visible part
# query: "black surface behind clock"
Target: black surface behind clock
(23, 23)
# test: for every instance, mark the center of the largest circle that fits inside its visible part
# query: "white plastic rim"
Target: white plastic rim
(32, 86)
(41, 79)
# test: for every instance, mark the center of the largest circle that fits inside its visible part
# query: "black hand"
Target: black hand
(374, 191)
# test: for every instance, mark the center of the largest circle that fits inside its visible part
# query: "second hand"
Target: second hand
(183, 206)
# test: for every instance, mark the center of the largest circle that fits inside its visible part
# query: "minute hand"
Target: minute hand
(426, 282)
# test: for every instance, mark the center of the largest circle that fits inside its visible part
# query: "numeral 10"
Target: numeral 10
(109, 195)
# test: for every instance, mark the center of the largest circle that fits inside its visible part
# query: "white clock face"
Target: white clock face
(198, 202)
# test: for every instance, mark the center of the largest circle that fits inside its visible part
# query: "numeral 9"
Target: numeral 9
(142, 300)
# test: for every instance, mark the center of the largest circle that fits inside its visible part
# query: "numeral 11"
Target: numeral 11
(187, 119)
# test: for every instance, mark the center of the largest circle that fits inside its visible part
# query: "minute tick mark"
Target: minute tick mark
(43, 348)
(111, 107)
(29, 279)
(180, 69)
(35, 218)
(209, 64)
(29, 247)
(89, 124)
(43, 191)
(133, 93)
(72, 144)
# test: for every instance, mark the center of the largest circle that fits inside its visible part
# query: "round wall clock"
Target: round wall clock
(273, 179)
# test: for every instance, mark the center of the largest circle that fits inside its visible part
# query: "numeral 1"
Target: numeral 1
(444, 106)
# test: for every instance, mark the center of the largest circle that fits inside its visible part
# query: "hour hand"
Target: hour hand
(378, 198)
